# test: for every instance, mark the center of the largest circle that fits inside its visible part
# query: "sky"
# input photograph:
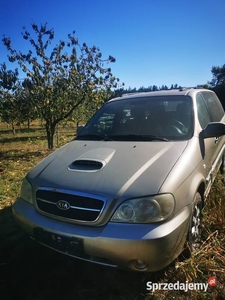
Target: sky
(155, 42)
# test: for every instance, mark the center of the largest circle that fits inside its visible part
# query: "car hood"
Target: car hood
(114, 170)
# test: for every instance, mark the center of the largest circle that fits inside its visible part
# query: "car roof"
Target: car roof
(172, 92)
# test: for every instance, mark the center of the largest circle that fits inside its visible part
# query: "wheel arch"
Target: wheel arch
(201, 191)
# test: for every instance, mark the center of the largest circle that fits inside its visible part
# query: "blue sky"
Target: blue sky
(157, 42)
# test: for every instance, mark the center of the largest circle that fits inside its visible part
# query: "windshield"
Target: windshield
(150, 118)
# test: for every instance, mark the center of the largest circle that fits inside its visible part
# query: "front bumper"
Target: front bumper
(138, 247)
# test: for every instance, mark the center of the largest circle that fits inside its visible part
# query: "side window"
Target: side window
(203, 114)
(214, 105)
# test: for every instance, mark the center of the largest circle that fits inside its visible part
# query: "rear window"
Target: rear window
(214, 105)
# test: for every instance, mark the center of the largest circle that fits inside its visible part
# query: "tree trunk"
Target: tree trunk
(50, 130)
(13, 128)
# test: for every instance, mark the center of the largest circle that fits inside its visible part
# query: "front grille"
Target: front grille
(69, 205)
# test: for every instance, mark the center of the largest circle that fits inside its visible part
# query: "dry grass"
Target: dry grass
(30, 271)
(19, 153)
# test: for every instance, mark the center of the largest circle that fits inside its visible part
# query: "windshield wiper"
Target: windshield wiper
(139, 137)
(94, 137)
(125, 137)
(155, 137)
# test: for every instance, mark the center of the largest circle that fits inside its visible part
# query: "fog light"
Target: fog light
(140, 264)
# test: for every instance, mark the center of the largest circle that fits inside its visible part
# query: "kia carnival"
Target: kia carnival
(128, 191)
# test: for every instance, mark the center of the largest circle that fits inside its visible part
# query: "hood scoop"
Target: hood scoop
(93, 160)
(86, 165)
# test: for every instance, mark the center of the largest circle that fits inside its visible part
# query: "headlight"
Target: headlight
(145, 210)
(26, 191)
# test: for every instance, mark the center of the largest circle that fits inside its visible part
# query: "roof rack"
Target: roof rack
(189, 88)
(181, 89)
(130, 94)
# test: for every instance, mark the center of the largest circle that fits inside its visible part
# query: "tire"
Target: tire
(195, 227)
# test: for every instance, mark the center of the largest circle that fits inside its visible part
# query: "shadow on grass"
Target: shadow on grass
(33, 272)
(22, 130)
(14, 155)
(33, 138)
(16, 139)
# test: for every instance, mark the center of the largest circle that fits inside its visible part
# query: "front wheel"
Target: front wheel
(195, 227)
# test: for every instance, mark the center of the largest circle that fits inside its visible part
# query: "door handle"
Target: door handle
(216, 139)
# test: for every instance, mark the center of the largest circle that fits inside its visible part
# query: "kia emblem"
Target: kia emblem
(63, 205)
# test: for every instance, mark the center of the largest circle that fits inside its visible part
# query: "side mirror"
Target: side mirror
(213, 130)
(79, 129)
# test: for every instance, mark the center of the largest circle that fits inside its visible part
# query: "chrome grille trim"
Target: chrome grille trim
(75, 207)
(85, 206)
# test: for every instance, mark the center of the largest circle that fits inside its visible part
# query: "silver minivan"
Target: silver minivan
(128, 191)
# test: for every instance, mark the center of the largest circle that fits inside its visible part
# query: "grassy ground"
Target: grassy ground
(32, 272)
